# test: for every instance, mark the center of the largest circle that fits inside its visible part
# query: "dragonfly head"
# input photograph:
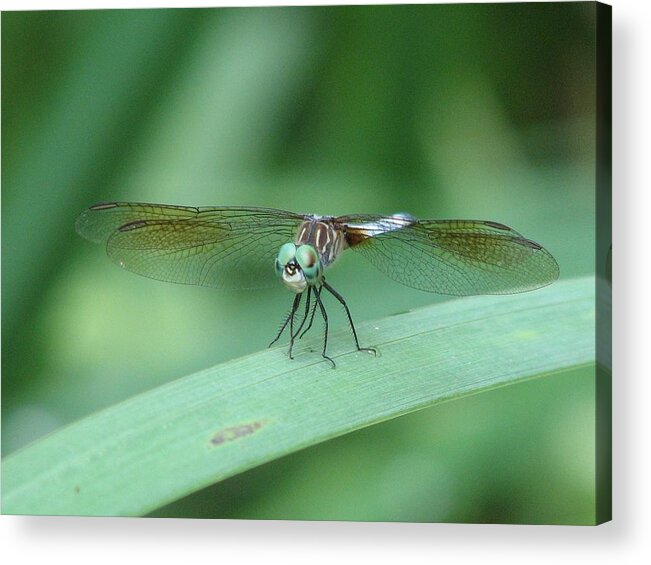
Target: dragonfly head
(298, 266)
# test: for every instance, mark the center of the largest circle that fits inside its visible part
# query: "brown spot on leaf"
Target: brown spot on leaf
(77, 489)
(236, 432)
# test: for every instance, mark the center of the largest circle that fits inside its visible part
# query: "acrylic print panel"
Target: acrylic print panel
(372, 126)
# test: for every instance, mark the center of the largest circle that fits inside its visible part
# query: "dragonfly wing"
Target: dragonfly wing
(218, 247)
(455, 257)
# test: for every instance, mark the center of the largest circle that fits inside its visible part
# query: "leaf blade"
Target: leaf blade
(159, 446)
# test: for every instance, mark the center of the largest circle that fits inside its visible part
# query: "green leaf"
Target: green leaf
(159, 446)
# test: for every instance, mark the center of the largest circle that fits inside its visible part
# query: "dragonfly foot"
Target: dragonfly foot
(369, 350)
(334, 365)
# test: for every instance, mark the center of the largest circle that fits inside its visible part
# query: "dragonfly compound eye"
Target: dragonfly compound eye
(289, 270)
(286, 254)
(309, 261)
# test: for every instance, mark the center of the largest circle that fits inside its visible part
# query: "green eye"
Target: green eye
(285, 255)
(309, 261)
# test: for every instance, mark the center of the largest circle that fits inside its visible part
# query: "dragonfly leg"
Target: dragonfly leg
(317, 295)
(295, 304)
(300, 327)
(288, 317)
(306, 313)
(309, 325)
(350, 318)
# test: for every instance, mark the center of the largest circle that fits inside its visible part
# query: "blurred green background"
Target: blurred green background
(452, 111)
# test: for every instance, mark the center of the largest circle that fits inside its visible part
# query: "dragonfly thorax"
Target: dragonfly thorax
(321, 234)
(298, 266)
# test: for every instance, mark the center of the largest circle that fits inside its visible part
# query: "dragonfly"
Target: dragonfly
(247, 248)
